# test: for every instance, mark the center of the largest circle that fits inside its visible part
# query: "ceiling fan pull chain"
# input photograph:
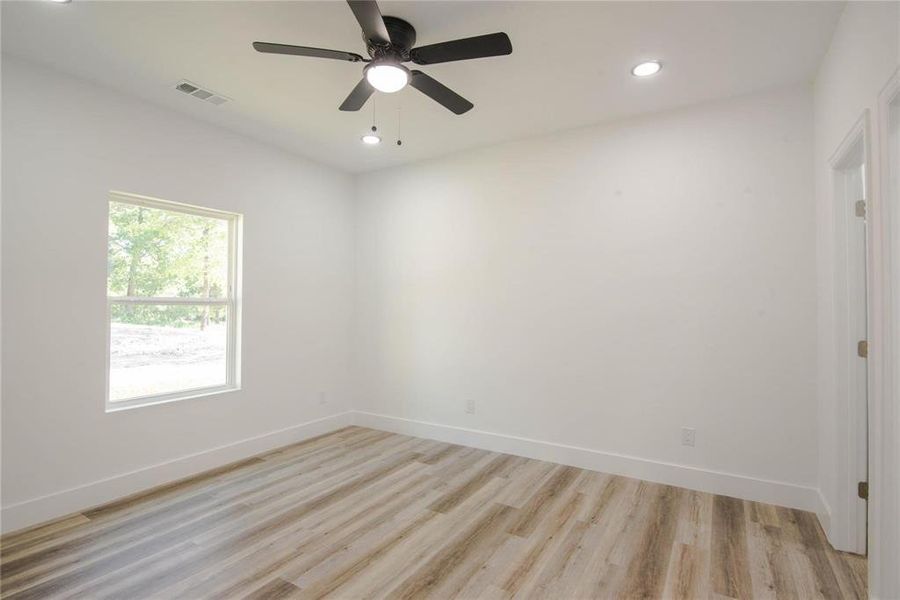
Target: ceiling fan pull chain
(374, 128)
(399, 141)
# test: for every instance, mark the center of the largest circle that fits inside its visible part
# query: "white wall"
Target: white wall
(66, 143)
(862, 56)
(604, 287)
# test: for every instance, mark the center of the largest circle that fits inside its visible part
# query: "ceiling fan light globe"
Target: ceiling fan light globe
(387, 77)
(370, 139)
(647, 69)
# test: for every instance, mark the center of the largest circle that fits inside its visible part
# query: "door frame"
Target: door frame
(884, 440)
(849, 520)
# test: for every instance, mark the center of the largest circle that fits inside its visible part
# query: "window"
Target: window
(173, 301)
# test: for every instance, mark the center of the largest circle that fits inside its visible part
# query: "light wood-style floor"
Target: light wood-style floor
(363, 513)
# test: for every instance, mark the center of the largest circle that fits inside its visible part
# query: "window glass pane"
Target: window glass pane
(156, 252)
(159, 349)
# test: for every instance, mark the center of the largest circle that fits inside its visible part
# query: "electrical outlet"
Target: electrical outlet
(323, 398)
(470, 406)
(687, 436)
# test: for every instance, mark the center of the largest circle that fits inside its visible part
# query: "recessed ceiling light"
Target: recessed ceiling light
(387, 77)
(646, 69)
(61, 1)
(371, 139)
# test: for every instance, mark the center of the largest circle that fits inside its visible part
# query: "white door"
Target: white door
(858, 322)
(851, 281)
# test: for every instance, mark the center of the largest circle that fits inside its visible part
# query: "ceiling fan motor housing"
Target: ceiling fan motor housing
(403, 38)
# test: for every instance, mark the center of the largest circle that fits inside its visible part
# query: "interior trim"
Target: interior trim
(52, 506)
(694, 478)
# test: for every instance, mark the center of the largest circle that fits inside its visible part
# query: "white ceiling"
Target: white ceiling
(569, 67)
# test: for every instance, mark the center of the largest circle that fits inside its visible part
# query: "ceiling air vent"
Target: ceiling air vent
(198, 92)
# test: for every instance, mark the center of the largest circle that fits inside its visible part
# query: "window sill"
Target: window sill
(120, 405)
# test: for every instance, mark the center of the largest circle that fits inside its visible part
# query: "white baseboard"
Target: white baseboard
(44, 508)
(823, 511)
(694, 478)
(37, 510)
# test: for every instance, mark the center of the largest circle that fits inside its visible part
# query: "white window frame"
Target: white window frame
(231, 301)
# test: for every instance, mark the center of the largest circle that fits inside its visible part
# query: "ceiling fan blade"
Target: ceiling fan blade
(358, 96)
(270, 48)
(492, 44)
(369, 17)
(440, 93)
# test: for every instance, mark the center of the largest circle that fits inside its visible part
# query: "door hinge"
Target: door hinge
(862, 489)
(862, 348)
(861, 208)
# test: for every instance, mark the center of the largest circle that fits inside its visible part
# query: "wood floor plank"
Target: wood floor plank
(376, 571)
(633, 521)
(522, 483)
(276, 589)
(853, 568)
(17, 541)
(360, 513)
(272, 527)
(646, 573)
(269, 555)
(87, 562)
(730, 567)
(293, 560)
(444, 452)
(544, 538)
(168, 489)
(762, 573)
(480, 478)
(530, 514)
(607, 494)
(682, 578)
(428, 576)
(159, 514)
(562, 564)
(111, 562)
(813, 539)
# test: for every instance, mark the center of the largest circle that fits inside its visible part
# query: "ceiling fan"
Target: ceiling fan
(389, 42)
